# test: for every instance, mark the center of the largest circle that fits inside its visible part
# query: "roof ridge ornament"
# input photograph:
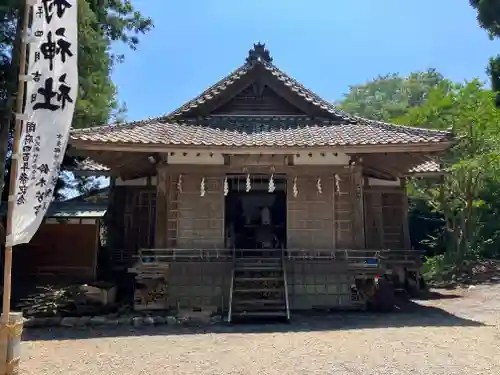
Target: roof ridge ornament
(259, 52)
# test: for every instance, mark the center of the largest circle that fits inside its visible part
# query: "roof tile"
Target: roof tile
(260, 131)
(340, 129)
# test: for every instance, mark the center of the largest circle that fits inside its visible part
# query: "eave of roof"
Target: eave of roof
(89, 167)
(70, 210)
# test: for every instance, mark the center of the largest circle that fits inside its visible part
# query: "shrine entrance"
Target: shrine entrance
(255, 213)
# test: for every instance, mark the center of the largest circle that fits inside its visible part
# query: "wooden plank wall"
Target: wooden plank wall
(186, 219)
(386, 218)
(250, 102)
(131, 221)
(349, 210)
(310, 216)
(201, 219)
(167, 210)
(68, 250)
(333, 219)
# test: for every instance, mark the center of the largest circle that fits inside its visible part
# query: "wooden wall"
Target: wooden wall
(347, 215)
(131, 221)
(386, 218)
(250, 101)
(201, 219)
(68, 250)
(332, 219)
(310, 216)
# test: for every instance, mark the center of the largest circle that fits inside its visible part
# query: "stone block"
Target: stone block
(69, 321)
(125, 320)
(98, 320)
(52, 321)
(137, 321)
(159, 320)
(171, 320)
(84, 321)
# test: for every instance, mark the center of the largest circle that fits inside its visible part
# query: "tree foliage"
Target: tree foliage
(100, 24)
(391, 95)
(462, 197)
(488, 16)
(452, 216)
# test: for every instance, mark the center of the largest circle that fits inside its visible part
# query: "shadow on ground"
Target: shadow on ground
(409, 314)
(432, 295)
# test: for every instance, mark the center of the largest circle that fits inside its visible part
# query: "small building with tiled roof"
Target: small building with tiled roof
(257, 164)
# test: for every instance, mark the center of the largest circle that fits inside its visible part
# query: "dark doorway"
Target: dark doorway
(255, 219)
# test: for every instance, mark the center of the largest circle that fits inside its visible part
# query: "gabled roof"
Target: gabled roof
(322, 124)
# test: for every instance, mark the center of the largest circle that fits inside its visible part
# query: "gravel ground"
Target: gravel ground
(459, 333)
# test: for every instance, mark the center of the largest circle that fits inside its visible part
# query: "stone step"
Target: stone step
(258, 290)
(260, 314)
(257, 267)
(266, 278)
(259, 302)
(258, 259)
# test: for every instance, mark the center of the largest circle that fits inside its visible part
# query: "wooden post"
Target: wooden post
(406, 224)
(162, 215)
(13, 173)
(357, 207)
(12, 329)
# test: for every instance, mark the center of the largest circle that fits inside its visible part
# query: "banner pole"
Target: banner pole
(7, 275)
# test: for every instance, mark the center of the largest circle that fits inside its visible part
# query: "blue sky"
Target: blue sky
(326, 45)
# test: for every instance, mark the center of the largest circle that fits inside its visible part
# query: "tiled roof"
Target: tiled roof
(427, 167)
(89, 165)
(261, 131)
(335, 128)
(61, 210)
(70, 210)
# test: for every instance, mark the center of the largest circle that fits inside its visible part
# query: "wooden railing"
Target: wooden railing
(152, 256)
(365, 258)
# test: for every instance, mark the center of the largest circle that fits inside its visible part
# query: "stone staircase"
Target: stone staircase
(259, 288)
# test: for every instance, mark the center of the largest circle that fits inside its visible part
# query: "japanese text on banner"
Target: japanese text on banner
(50, 102)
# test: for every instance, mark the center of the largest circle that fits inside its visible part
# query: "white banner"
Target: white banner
(50, 101)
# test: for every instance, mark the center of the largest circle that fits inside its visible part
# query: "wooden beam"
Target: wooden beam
(398, 164)
(254, 169)
(359, 149)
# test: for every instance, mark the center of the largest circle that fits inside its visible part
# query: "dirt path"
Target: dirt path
(439, 336)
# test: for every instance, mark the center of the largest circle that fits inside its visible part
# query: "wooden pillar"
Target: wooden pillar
(161, 227)
(358, 217)
(406, 224)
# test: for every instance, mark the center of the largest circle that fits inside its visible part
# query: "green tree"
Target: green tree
(100, 24)
(391, 95)
(463, 197)
(488, 16)
(451, 217)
